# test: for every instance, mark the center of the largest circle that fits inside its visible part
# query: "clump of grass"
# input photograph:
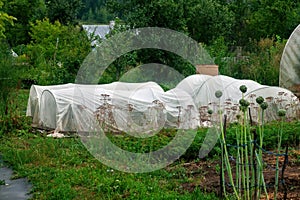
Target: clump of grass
(2, 182)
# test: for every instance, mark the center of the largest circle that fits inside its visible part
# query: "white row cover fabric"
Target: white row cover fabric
(145, 107)
(130, 107)
(35, 93)
(202, 88)
(289, 76)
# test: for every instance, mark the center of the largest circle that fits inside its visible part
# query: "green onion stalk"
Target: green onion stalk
(223, 168)
(281, 114)
(244, 107)
(261, 182)
(260, 167)
(238, 166)
(246, 158)
(242, 158)
(262, 179)
(218, 94)
(252, 185)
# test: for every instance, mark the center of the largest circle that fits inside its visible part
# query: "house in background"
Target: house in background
(96, 32)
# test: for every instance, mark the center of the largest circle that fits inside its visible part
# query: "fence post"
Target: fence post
(253, 155)
(250, 116)
(285, 163)
(254, 163)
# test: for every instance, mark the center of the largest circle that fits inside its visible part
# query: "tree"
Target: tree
(56, 51)
(140, 13)
(271, 18)
(4, 19)
(94, 11)
(64, 11)
(255, 20)
(208, 20)
(202, 20)
(25, 11)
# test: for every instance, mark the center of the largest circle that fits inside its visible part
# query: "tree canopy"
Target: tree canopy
(239, 21)
(4, 19)
(243, 36)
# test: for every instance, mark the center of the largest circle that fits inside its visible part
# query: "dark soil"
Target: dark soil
(205, 175)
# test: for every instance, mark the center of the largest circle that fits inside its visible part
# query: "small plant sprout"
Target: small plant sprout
(210, 111)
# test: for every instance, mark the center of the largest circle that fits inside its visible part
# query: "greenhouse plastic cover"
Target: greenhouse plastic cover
(290, 63)
(145, 107)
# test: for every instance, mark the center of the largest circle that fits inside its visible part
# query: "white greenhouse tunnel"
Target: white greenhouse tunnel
(289, 76)
(145, 107)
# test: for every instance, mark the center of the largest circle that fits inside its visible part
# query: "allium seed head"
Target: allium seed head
(218, 93)
(264, 105)
(259, 100)
(243, 88)
(244, 103)
(281, 112)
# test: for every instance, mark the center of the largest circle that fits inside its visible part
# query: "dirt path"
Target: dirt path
(16, 189)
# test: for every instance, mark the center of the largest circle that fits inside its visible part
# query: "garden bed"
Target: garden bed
(205, 174)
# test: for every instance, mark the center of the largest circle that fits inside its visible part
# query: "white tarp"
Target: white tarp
(34, 99)
(130, 107)
(145, 107)
(289, 76)
(202, 88)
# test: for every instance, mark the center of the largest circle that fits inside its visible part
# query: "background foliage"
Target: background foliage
(245, 37)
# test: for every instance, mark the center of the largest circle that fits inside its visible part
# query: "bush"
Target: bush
(8, 85)
(56, 52)
(262, 64)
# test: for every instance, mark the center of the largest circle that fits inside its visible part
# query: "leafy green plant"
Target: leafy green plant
(8, 87)
(56, 52)
(4, 18)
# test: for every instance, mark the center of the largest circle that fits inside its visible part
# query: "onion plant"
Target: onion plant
(244, 104)
(281, 114)
(260, 176)
(249, 181)
(225, 155)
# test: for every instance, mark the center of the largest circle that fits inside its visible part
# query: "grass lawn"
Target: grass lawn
(64, 169)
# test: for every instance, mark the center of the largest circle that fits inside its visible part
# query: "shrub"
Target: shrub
(8, 85)
(56, 52)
